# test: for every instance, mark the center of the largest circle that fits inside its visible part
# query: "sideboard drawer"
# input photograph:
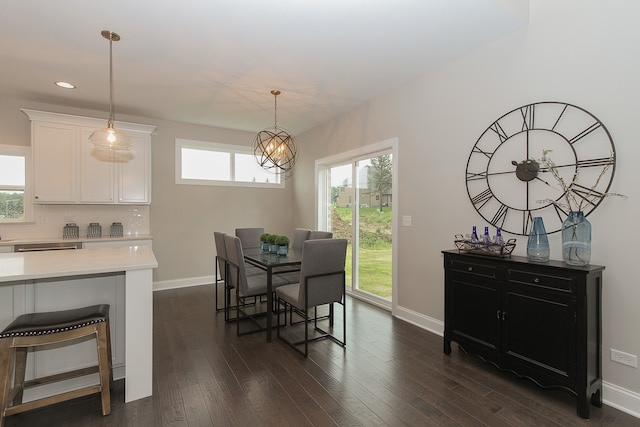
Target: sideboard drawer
(476, 269)
(544, 281)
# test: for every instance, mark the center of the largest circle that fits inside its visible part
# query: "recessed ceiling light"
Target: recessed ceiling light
(65, 85)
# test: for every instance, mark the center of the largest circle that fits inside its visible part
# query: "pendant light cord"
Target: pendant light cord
(110, 79)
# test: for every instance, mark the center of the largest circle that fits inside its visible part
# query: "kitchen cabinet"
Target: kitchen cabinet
(55, 160)
(70, 169)
(541, 321)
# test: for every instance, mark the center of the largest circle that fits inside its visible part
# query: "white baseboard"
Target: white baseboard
(617, 397)
(420, 320)
(183, 283)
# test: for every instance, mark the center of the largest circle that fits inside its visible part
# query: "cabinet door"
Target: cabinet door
(55, 162)
(97, 182)
(134, 171)
(473, 314)
(539, 333)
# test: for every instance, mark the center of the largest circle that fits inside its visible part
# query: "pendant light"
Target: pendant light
(110, 137)
(274, 148)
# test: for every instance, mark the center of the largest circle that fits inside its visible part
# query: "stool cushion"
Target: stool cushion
(55, 321)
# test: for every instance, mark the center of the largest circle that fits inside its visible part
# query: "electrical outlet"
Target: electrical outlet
(624, 358)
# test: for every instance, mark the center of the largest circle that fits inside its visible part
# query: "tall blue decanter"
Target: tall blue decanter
(576, 239)
(538, 244)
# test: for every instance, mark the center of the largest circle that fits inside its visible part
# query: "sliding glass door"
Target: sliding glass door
(356, 203)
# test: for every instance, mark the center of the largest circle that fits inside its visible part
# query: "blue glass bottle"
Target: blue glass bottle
(486, 238)
(538, 244)
(474, 238)
(576, 239)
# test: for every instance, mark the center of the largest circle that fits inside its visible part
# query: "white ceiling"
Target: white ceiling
(214, 62)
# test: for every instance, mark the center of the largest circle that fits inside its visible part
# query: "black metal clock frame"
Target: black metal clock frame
(508, 185)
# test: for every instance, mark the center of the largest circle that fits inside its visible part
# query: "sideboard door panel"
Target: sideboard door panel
(536, 332)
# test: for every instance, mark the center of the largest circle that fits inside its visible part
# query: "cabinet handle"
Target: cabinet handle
(504, 314)
(498, 314)
(470, 269)
(536, 280)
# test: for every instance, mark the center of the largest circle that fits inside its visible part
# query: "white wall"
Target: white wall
(583, 52)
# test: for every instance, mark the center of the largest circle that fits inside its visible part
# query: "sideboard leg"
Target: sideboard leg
(583, 405)
(447, 346)
(596, 399)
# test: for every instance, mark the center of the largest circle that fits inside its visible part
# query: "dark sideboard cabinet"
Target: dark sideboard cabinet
(541, 321)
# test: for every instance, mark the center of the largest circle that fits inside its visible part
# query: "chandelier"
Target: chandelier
(274, 148)
(110, 137)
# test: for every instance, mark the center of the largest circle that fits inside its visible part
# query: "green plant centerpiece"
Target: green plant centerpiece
(273, 248)
(283, 245)
(574, 199)
(264, 241)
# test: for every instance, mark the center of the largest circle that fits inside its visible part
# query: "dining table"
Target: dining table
(272, 264)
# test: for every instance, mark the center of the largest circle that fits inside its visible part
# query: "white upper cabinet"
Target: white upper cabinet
(55, 162)
(70, 169)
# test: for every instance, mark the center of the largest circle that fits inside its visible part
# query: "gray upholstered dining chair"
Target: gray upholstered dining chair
(322, 282)
(318, 234)
(220, 275)
(299, 236)
(246, 285)
(250, 239)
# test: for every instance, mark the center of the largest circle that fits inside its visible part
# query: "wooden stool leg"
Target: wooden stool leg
(20, 371)
(110, 355)
(5, 377)
(104, 362)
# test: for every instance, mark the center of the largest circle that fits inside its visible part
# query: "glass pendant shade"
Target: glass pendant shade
(274, 148)
(109, 137)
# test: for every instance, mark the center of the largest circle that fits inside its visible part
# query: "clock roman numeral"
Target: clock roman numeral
(501, 215)
(605, 162)
(477, 149)
(559, 117)
(528, 117)
(473, 176)
(480, 199)
(499, 131)
(527, 219)
(589, 195)
(585, 132)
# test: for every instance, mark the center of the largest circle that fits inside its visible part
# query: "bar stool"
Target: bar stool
(40, 329)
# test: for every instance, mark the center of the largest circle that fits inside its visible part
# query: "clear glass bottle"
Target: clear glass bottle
(538, 244)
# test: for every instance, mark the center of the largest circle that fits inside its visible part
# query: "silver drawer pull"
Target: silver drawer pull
(536, 280)
(470, 269)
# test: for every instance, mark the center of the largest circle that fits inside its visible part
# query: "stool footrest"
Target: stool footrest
(23, 407)
(61, 376)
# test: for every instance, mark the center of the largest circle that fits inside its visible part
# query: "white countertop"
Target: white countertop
(39, 265)
(11, 242)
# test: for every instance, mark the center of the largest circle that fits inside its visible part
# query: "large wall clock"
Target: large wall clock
(508, 185)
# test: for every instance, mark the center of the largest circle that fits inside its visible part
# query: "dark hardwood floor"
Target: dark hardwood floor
(391, 373)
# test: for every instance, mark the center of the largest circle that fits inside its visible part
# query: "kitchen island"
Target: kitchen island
(56, 280)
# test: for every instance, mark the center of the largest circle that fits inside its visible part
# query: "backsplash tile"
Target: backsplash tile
(51, 219)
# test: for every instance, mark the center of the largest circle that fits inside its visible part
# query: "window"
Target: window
(208, 163)
(14, 168)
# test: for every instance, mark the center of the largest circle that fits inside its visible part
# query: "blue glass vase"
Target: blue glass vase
(576, 239)
(538, 244)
